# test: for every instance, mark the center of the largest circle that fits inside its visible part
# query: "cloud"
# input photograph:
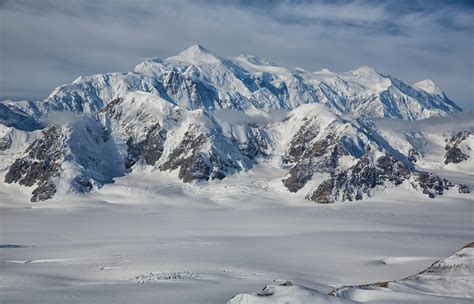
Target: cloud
(451, 123)
(48, 43)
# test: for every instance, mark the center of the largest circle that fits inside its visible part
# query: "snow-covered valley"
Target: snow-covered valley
(151, 238)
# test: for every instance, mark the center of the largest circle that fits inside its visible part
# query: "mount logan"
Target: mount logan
(202, 117)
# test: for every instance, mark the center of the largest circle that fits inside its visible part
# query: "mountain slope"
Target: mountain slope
(170, 138)
(77, 157)
(448, 277)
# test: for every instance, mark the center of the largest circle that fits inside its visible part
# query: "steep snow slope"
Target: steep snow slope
(449, 277)
(12, 116)
(75, 157)
(428, 86)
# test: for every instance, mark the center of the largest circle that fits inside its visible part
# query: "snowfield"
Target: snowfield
(206, 243)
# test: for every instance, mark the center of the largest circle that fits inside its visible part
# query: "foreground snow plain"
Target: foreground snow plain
(150, 238)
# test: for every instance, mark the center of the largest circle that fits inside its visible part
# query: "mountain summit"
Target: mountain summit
(195, 54)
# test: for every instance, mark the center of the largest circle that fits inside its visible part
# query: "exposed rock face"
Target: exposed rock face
(360, 180)
(453, 152)
(5, 143)
(40, 165)
(320, 156)
(83, 183)
(413, 155)
(201, 147)
(44, 191)
(349, 151)
(432, 185)
(366, 176)
(455, 155)
(188, 159)
(196, 161)
(150, 148)
(323, 193)
(463, 189)
(301, 141)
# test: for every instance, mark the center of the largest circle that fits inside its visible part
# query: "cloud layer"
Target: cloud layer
(48, 43)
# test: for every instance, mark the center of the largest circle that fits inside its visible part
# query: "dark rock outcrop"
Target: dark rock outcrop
(321, 156)
(463, 189)
(40, 165)
(196, 164)
(5, 143)
(413, 155)
(322, 194)
(188, 158)
(150, 148)
(360, 180)
(453, 153)
(431, 184)
(44, 191)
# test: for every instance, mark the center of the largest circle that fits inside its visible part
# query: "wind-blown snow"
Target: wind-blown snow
(428, 86)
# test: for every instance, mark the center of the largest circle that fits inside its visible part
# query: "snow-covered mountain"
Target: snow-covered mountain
(178, 115)
(199, 79)
(447, 280)
(449, 277)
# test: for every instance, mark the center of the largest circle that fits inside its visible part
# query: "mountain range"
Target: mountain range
(338, 136)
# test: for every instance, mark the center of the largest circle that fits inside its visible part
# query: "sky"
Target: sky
(46, 43)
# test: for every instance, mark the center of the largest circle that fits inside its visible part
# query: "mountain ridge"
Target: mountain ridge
(165, 114)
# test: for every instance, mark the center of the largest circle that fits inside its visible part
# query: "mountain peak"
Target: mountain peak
(324, 71)
(365, 70)
(196, 54)
(428, 86)
(197, 48)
